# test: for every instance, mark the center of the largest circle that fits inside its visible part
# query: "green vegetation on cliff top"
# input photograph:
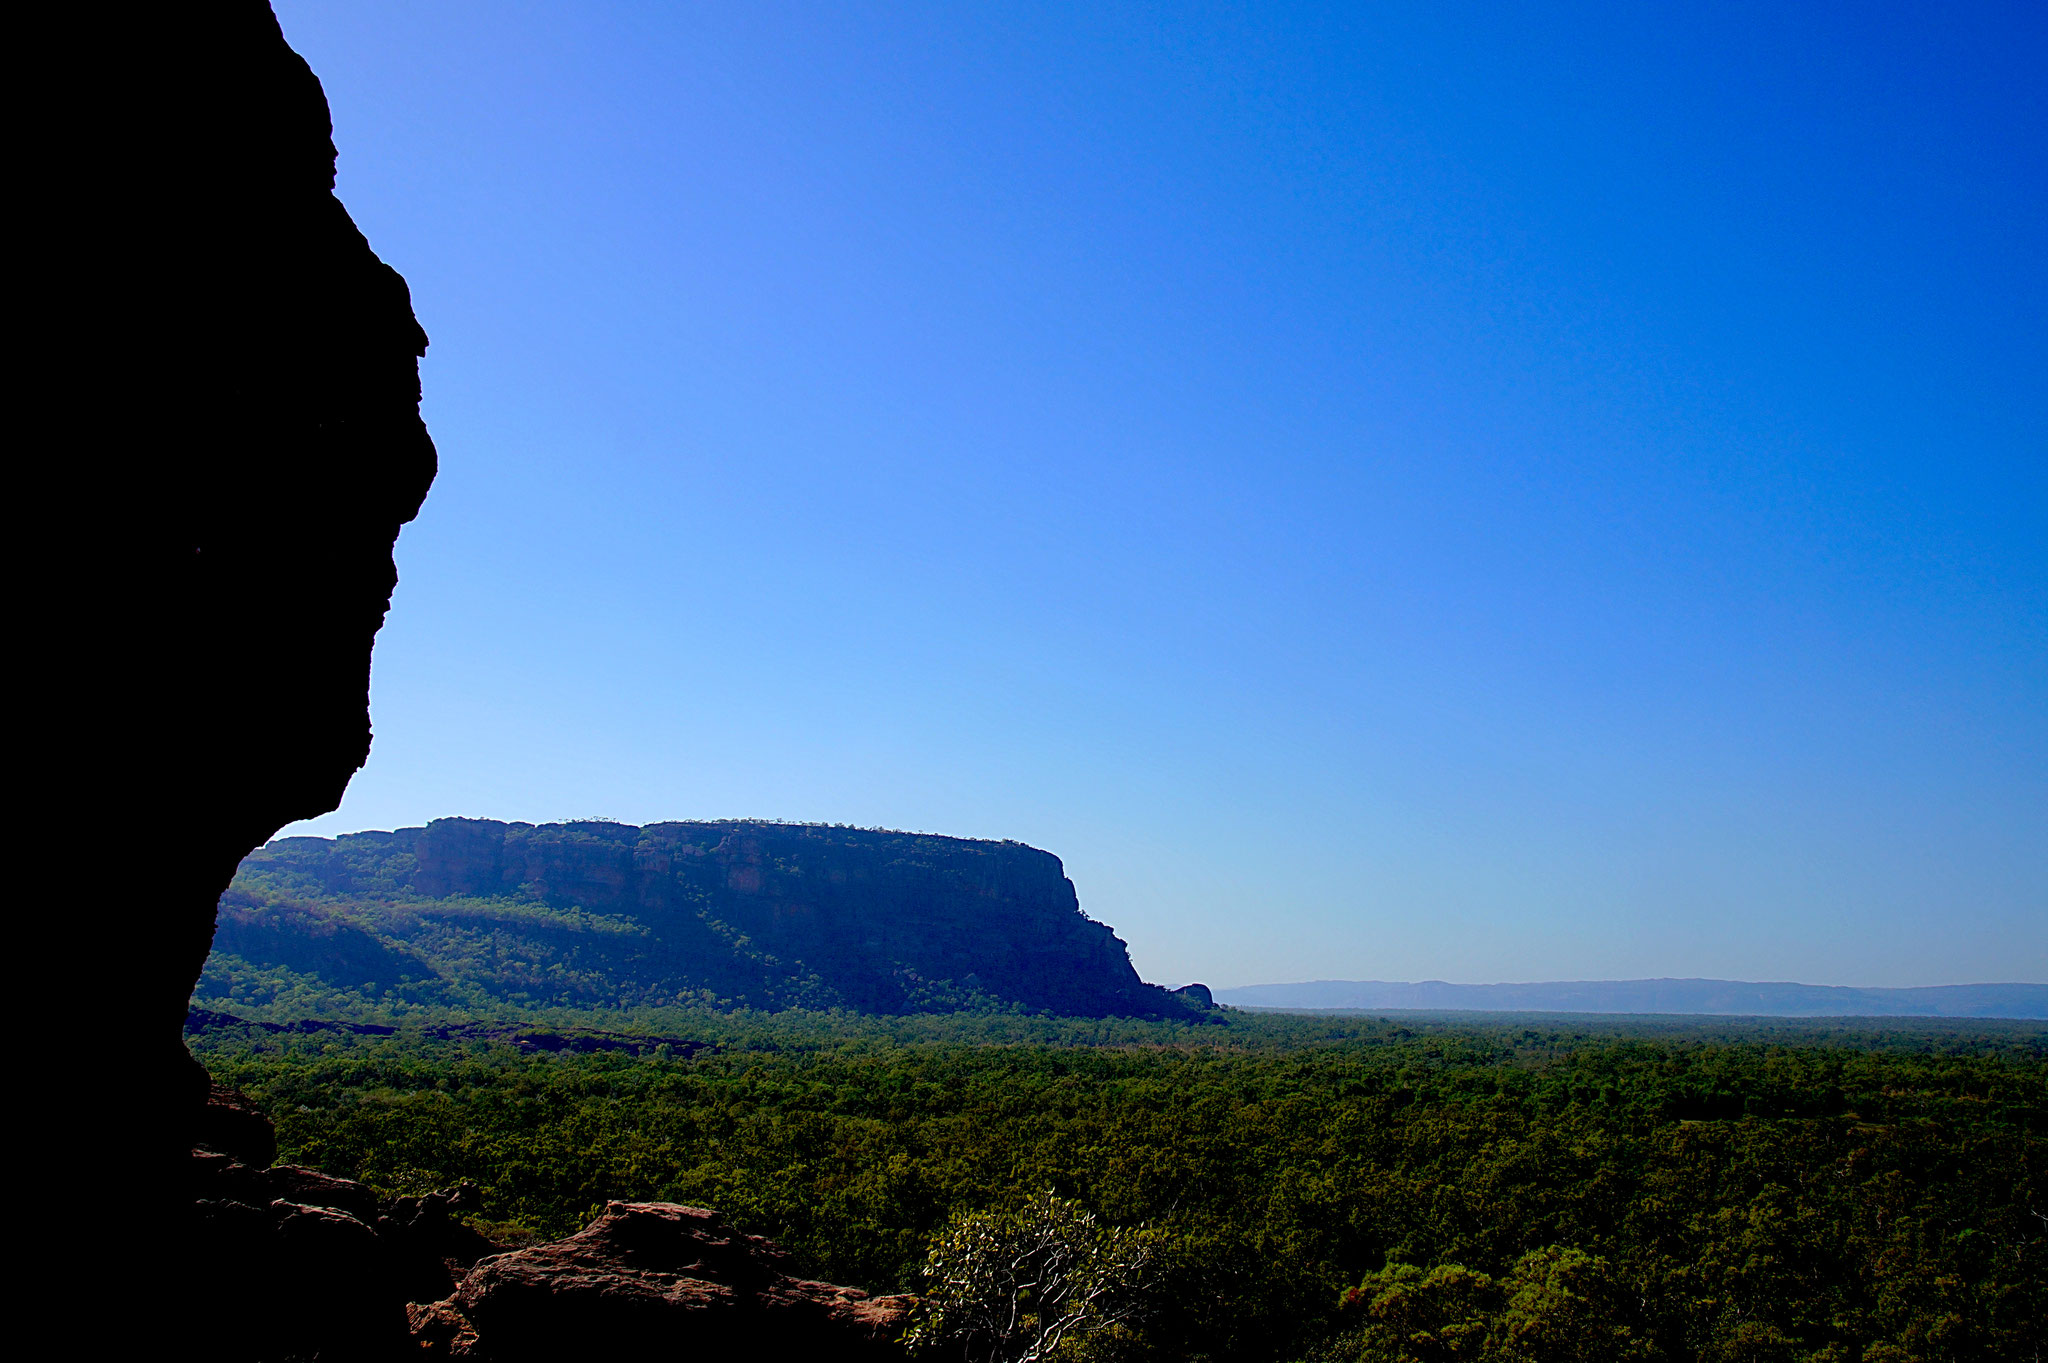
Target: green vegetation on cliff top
(477, 917)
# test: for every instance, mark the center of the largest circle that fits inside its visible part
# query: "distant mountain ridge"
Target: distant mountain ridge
(473, 913)
(1725, 997)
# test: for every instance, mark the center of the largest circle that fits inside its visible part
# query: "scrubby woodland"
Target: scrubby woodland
(1308, 1188)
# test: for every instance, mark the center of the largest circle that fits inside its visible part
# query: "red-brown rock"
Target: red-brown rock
(654, 1278)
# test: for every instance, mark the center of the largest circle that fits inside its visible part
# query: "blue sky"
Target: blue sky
(1423, 491)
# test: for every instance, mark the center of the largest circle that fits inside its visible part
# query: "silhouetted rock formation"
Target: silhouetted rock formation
(760, 914)
(652, 1279)
(231, 378)
(302, 1264)
(231, 1125)
(253, 448)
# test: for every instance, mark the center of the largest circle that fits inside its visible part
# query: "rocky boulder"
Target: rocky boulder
(648, 1278)
(229, 1124)
(292, 1262)
(295, 1263)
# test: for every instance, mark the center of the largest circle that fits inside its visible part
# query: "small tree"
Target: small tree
(1565, 1306)
(1012, 1287)
(1442, 1315)
(1558, 1305)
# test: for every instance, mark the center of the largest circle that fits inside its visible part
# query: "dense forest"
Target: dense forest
(1312, 1188)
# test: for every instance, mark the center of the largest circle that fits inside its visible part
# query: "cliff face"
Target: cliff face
(228, 376)
(218, 438)
(759, 914)
(242, 441)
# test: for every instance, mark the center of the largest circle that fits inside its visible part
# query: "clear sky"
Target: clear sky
(1475, 492)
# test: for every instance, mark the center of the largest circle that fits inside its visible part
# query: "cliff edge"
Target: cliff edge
(229, 440)
(724, 914)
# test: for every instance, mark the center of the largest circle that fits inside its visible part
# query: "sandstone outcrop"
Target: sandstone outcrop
(648, 1278)
(748, 913)
(231, 1125)
(222, 439)
(296, 1263)
(232, 375)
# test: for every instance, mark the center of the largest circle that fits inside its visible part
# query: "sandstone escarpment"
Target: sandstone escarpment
(741, 913)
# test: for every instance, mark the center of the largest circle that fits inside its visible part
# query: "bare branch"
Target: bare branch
(1012, 1288)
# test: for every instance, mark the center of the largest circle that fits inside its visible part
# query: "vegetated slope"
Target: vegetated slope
(1722, 997)
(473, 913)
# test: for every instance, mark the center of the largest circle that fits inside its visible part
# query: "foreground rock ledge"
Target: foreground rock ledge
(294, 1264)
(650, 1276)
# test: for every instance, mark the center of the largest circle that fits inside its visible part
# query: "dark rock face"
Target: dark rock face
(651, 1279)
(298, 1263)
(757, 913)
(228, 379)
(231, 1125)
(241, 375)
(1196, 993)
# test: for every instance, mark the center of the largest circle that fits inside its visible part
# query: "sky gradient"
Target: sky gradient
(1393, 492)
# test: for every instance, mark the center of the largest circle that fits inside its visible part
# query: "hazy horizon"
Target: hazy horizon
(1224, 984)
(1435, 493)
(1656, 980)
